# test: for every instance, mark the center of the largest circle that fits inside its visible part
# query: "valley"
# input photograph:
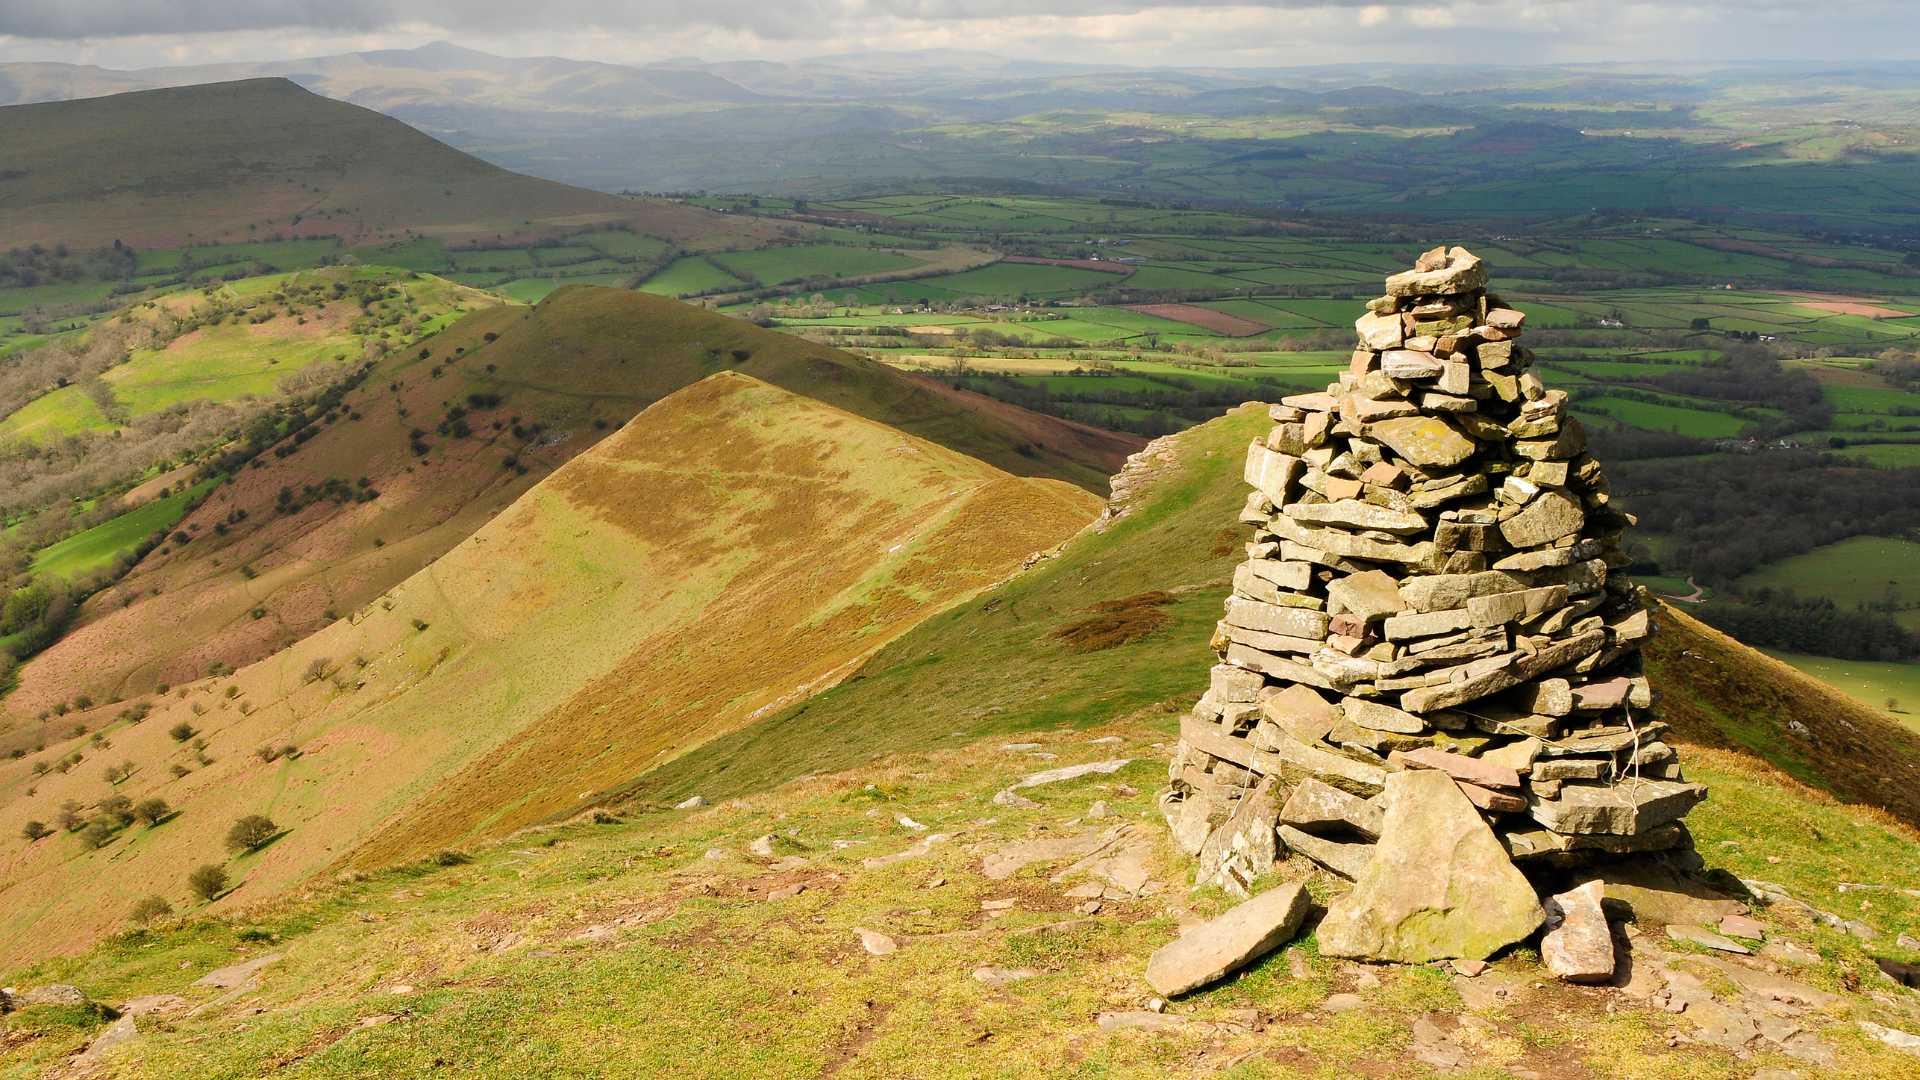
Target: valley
(531, 566)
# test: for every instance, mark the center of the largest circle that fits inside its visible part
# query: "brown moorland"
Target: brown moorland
(257, 157)
(534, 387)
(733, 548)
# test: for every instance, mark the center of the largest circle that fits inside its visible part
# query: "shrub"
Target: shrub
(317, 668)
(452, 858)
(118, 809)
(181, 731)
(153, 907)
(251, 831)
(34, 830)
(98, 833)
(179, 770)
(208, 881)
(70, 818)
(151, 812)
(117, 773)
(267, 753)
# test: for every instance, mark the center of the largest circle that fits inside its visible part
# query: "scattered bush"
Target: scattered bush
(151, 812)
(34, 830)
(98, 833)
(151, 908)
(452, 858)
(181, 731)
(251, 831)
(179, 770)
(208, 881)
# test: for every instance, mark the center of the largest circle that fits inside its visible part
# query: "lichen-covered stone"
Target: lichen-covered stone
(1440, 884)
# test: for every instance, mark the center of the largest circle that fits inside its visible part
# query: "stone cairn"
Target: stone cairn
(1427, 591)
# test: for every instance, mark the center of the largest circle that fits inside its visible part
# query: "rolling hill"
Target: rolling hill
(446, 436)
(731, 549)
(1120, 622)
(262, 157)
(850, 896)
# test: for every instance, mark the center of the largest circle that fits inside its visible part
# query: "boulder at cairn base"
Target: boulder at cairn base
(1223, 945)
(1440, 885)
(1432, 584)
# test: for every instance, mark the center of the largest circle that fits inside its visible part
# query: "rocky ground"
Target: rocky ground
(978, 912)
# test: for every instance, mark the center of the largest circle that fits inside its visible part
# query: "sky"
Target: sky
(1263, 33)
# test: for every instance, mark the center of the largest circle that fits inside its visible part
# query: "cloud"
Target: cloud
(1188, 32)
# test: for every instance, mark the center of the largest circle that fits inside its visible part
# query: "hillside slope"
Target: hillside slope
(532, 387)
(1120, 623)
(885, 914)
(241, 160)
(730, 549)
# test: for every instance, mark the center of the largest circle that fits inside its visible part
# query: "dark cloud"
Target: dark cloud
(75, 19)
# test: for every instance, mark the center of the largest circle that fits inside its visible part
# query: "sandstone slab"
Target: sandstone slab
(1221, 946)
(1440, 884)
(1578, 946)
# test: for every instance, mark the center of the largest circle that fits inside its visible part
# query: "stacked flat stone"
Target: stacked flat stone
(1430, 585)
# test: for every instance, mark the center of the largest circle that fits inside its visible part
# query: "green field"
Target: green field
(777, 265)
(1856, 571)
(66, 411)
(689, 276)
(1871, 683)
(96, 549)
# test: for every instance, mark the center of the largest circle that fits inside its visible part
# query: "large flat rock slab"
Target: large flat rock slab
(1440, 884)
(1223, 945)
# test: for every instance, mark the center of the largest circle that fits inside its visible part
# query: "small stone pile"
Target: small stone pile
(1428, 589)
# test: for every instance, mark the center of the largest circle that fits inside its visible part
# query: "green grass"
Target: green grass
(1002, 657)
(226, 362)
(1871, 683)
(66, 411)
(689, 275)
(1859, 570)
(96, 549)
(1651, 416)
(776, 265)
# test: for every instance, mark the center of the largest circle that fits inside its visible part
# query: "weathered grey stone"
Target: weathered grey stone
(1370, 594)
(1620, 809)
(1426, 623)
(53, 994)
(1548, 518)
(1442, 592)
(1522, 606)
(1349, 860)
(1299, 711)
(1410, 364)
(1379, 331)
(1352, 545)
(1427, 441)
(1440, 885)
(1462, 273)
(1316, 807)
(1297, 576)
(1221, 946)
(1458, 766)
(1270, 473)
(1578, 946)
(1274, 619)
(1372, 714)
(1354, 514)
(1242, 850)
(1290, 760)
(1700, 935)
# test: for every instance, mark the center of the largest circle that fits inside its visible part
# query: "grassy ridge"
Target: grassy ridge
(797, 538)
(556, 377)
